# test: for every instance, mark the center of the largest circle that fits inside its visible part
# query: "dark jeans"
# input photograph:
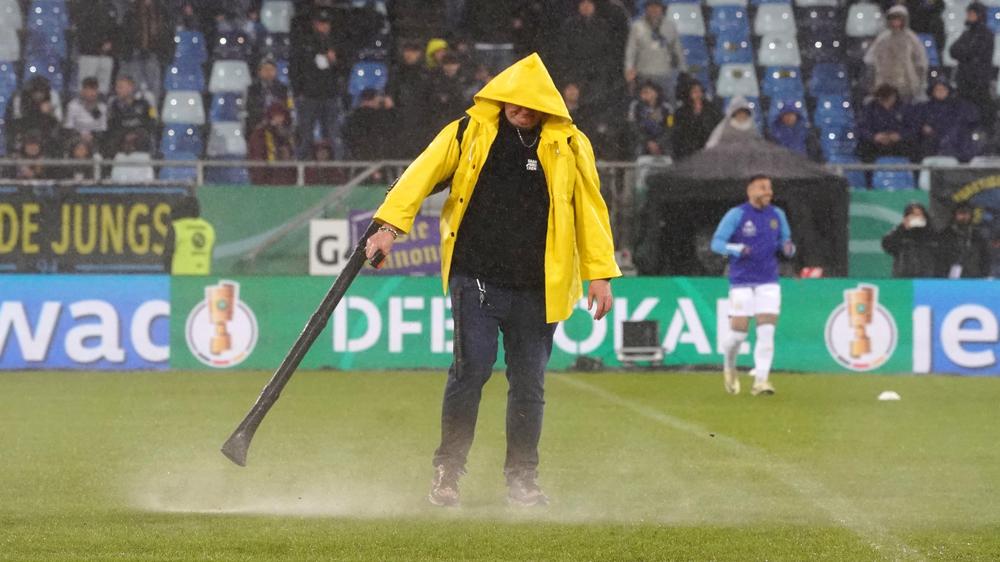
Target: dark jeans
(324, 111)
(527, 341)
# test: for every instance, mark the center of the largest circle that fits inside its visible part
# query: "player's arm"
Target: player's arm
(724, 232)
(786, 246)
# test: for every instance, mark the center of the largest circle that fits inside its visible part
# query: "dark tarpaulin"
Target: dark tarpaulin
(684, 205)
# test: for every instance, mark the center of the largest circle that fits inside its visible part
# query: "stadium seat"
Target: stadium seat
(993, 18)
(892, 180)
(718, 3)
(276, 16)
(725, 18)
(10, 47)
(737, 80)
(835, 142)
(865, 19)
(227, 106)
(779, 50)
(930, 47)
(821, 48)
(276, 46)
(231, 45)
(183, 107)
(189, 46)
(49, 43)
(729, 51)
(228, 175)
(184, 77)
(11, 18)
(8, 81)
(695, 51)
(816, 3)
(774, 18)
(132, 173)
(778, 105)
(367, 75)
(833, 112)
(229, 76)
(181, 139)
(226, 139)
(179, 173)
(50, 69)
(855, 178)
(49, 14)
(819, 21)
(924, 178)
(783, 82)
(829, 79)
(687, 18)
(283, 75)
(953, 17)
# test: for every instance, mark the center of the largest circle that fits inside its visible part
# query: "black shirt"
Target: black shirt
(502, 237)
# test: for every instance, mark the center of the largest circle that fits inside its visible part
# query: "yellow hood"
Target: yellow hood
(526, 83)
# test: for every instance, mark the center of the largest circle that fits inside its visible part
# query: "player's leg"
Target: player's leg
(767, 302)
(740, 311)
(527, 342)
(475, 351)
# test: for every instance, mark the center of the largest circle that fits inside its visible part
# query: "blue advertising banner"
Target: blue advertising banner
(84, 322)
(414, 253)
(955, 327)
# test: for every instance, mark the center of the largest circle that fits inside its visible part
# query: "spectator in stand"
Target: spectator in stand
(186, 16)
(147, 44)
(694, 122)
(31, 149)
(265, 91)
(409, 90)
(34, 92)
(738, 126)
(583, 50)
(653, 51)
(448, 93)
(651, 121)
(912, 245)
(315, 72)
(97, 35)
(886, 127)
(898, 58)
(82, 150)
(964, 249)
(974, 52)
(791, 131)
(368, 126)
(86, 113)
(39, 122)
(434, 53)
(323, 152)
(272, 141)
(532, 21)
(128, 111)
(945, 124)
(925, 16)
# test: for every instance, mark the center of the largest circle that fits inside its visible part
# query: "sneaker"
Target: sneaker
(444, 487)
(523, 490)
(731, 378)
(762, 389)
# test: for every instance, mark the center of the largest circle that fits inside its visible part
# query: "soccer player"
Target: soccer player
(753, 235)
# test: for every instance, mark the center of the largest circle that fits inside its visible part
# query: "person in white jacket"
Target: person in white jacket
(897, 57)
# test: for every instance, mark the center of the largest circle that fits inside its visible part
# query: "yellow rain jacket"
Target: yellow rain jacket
(578, 243)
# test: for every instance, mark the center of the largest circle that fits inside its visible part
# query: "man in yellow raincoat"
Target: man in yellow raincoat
(523, 223)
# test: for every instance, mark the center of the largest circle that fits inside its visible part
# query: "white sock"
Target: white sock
(731, 348)
(763, 352)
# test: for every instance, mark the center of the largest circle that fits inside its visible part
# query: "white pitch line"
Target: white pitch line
(838, 508)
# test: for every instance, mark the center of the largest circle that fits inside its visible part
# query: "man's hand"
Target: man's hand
(599, 292)
(788, 249)
(381, 241)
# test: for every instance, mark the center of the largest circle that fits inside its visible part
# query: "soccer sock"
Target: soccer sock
(763, 352)
(731, 348)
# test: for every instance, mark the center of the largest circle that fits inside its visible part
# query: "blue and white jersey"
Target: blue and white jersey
(762, 232)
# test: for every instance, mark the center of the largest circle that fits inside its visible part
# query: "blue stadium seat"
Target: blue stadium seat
(855, 178)
(725, 18)
(231, 45)
(833, 112)
(993, 18)
(179, 173)
(283, 75)
(49, 68)
(822, 48)
(835, 142)
(783, 82)
(184, 77)
(181, 139)
(189, 46)
(276, 46)
(730, 51)
(47, 14)
(695, 50)
(829, 79)
(703, 75)
(8, 81)
(892, 180)
(228, 175)
(930, 47)
(777, 105)
(227, 106)
(50, 43)
(366, 75)
(819, 21)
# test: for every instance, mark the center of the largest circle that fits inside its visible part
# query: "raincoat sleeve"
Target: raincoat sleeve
(593, 227)
(435, 164)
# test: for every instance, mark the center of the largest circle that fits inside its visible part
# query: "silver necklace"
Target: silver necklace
(522, 138)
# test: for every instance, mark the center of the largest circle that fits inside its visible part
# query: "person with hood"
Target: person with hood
(945, 123)
(974, 52)
(651, 121)
(653, 50)
(694, 122)
(524, 222)
(272, 141)
(898, 58)
(963, 248)
(912, 245)
(886, 127)
(738, 126)
(791, 131)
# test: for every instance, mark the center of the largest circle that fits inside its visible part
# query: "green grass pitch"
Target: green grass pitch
(640, 466)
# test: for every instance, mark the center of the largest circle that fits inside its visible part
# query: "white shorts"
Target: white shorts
(751, 301)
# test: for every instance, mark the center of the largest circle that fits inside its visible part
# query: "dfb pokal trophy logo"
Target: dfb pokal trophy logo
(861, 334)
(221, 329)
